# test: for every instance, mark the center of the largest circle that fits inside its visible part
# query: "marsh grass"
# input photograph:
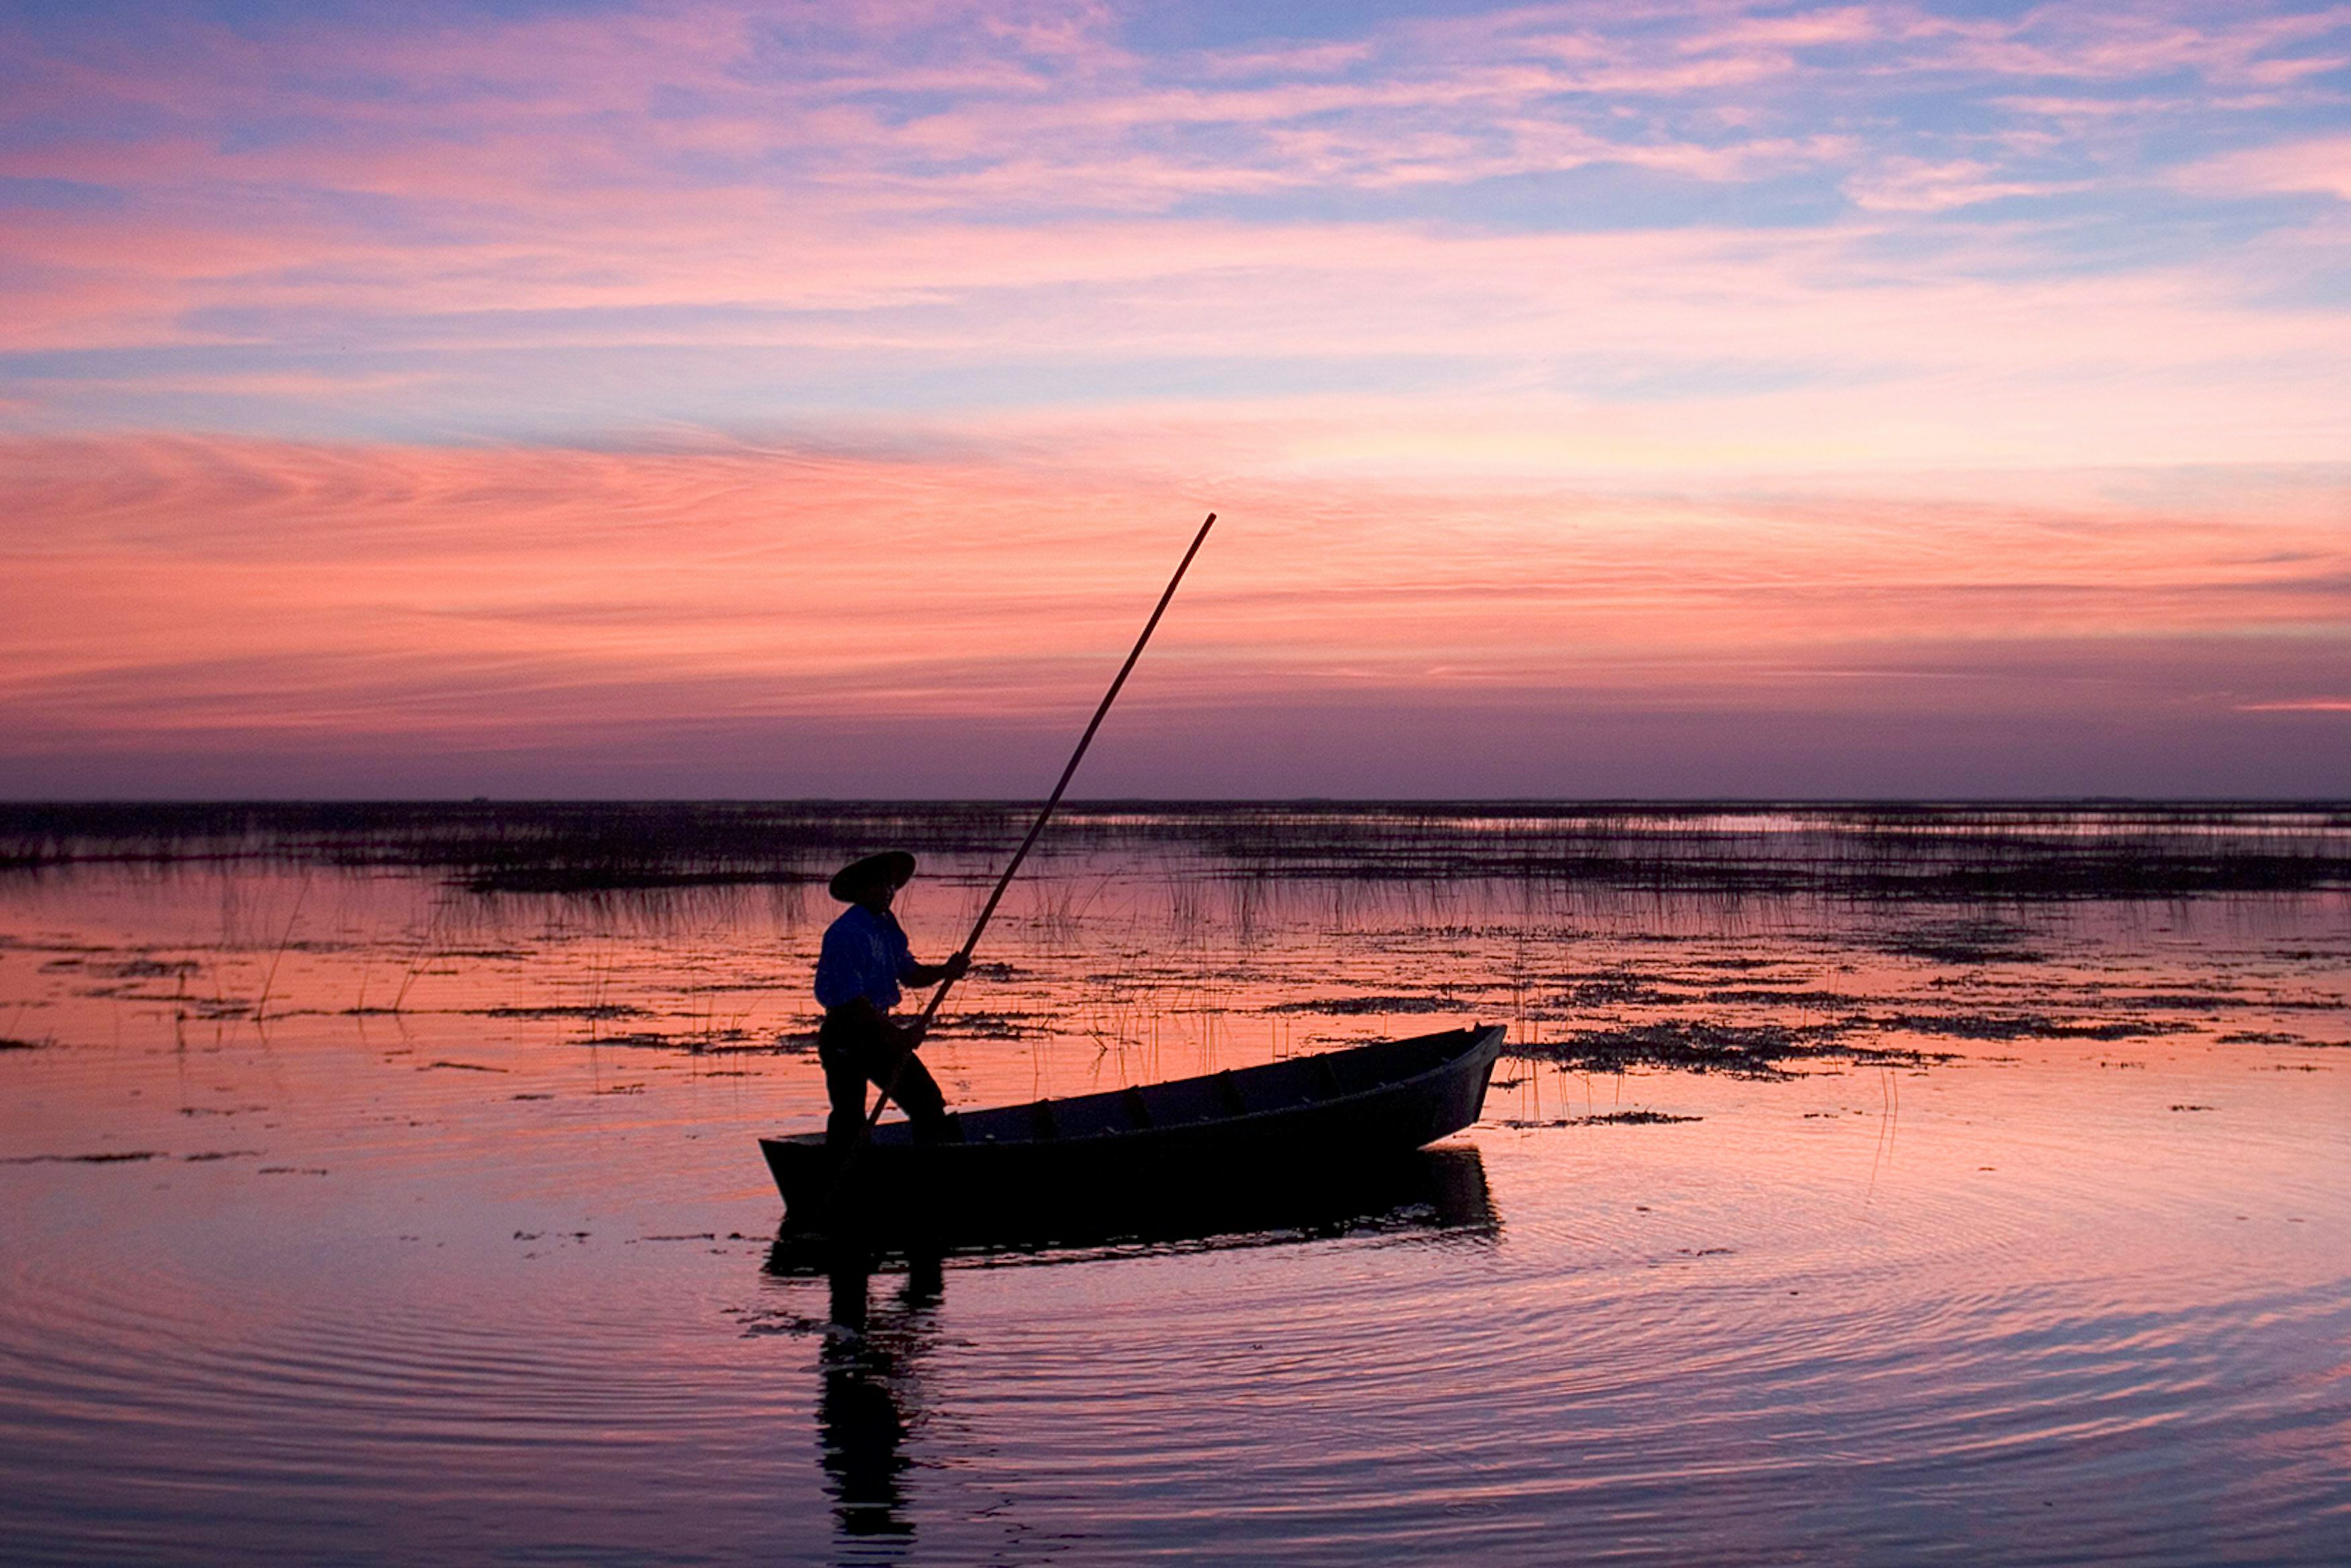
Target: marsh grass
(1972, 852)
(1746, 941)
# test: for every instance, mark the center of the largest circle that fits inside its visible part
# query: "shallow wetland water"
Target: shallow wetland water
(371, 1209)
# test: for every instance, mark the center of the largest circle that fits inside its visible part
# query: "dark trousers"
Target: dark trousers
(857, 1048)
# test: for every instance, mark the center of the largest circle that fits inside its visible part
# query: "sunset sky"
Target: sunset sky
(1654, 398)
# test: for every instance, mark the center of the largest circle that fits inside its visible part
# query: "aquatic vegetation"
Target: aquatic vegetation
(1744, 1051)
(340, 1152)
(1945, 854)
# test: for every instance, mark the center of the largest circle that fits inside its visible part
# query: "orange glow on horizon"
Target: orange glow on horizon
(484, 596)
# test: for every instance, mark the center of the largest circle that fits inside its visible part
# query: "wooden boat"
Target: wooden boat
(1132, 1160)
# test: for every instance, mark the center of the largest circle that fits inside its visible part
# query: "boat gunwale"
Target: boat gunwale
(1479, 1034)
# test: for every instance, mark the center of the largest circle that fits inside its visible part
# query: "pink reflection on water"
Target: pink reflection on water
(472, 1208)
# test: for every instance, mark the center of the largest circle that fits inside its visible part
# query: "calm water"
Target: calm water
(352, 1216)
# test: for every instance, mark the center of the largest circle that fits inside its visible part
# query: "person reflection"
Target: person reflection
(867, 1366)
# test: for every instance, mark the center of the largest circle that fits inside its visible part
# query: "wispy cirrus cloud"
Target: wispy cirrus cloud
(2321, 165)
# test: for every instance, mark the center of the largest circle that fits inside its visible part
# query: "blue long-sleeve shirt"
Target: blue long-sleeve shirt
(865, 955)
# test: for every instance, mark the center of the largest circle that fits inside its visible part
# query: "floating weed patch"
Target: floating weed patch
(145, 969)
(1357, 1007)
(131, 1156)
(1967, 943)
(1632, 1119)
(1742, 1051)
(2018, 1026)
(1752, 996)
(1610, 1119)
(590, 1011)
(985, 1026)
(1612, 990)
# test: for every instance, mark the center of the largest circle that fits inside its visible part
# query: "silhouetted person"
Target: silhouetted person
(864, 961)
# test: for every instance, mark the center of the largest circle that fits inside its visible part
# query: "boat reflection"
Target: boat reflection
(869, 1401)
(1430, 1191)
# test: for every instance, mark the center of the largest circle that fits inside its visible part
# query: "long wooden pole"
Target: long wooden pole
(987, 911)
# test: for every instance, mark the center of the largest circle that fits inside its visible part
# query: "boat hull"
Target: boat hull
(1137, 1160)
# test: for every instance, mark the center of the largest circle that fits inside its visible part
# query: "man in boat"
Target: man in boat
(864, 960)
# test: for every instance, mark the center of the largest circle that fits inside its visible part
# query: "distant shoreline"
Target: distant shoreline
(2102, 848)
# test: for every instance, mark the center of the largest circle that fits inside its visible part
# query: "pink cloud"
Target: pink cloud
(2321, 164)
(1839, 24)
(540, 179)
(1919, 186)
